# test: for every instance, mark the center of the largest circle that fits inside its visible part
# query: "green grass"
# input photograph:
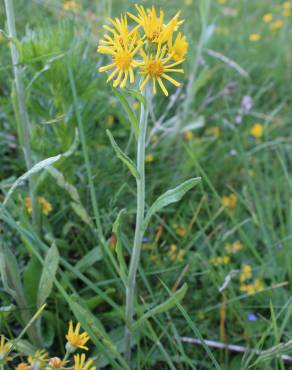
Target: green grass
(65, 94)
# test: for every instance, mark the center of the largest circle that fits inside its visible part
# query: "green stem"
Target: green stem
(24, 132)
(135, 257)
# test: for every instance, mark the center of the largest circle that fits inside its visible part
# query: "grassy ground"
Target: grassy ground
(229, 239)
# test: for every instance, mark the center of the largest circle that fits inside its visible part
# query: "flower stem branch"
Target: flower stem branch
(139, 232)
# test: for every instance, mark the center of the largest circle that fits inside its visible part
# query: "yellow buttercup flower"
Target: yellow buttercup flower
(257, 130)
(267, 18)
(155, 68)
(4, 348)
(179, 48)
(22, 366)
(254, 37)
(122, 60)
(75, 339)
(80, 363)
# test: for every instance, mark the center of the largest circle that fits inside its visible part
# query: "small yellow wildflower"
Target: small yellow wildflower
(174, 254)
(180, 231)
(246, 273)
(287, 5)
(188, 2)
(254, 37)
(71, 6)
(188, 135)
(221, 2)
(154, 68)
(229, 201)
(267, 18)
(220, 260)
(22, 366)
(149, 158)
(257, 130)
(276, 25)
(179, 48)
(56, 363)
(75, 339)
(252, 288)
(45, 206)
(39, 359)
(4, 348)
(234, 247)
(80, 363)
(286, 13)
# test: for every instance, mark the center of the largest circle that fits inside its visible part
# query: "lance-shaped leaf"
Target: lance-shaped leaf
(131, 115)
(163, 307)
(119, 247)
(169, 197)
(51, 263)
(41, 166)
(123, 157)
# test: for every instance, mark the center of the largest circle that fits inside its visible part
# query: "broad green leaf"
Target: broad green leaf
(123, 157)
(94, 255)
(163, 307)
(31, 278)
(51, 263)
(131, 115)
(137, 96)
(169, 197)
(40, 166)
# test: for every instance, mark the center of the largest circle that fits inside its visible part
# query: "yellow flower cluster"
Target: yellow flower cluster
(151, 47)
(71, 6)
(40, 359)
(174, 254)
(45, 206)
(245, 277)
(234, 247)
(220, 260)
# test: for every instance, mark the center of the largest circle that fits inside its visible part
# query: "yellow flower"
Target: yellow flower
(188, 135)
(56, 363)
(22, 366)
(119, 31)
(155, 68)
(4, 348)
(252, 288)
(246, 273)
(267, 17)
(39, 359)
(150, 21)
(149, 158)
(286, 13)
(179, 48)
(136, 105)
(221, 2)
(188, 2)
(75, 339)
(71, 6)
(122, 60)
(175, 255)
(276, 25)
(234, 247)
(254, 37)
(257, 130)
(45, 206)
(229, 201)
(80, 363)
(110, 120)
(181, 231)
(287, 5)
(219, 261)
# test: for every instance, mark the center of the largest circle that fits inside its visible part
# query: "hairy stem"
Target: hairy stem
(135, 257)
(23, 125)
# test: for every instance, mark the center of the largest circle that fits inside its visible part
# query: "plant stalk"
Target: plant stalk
(23, 126)
(139, 232)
